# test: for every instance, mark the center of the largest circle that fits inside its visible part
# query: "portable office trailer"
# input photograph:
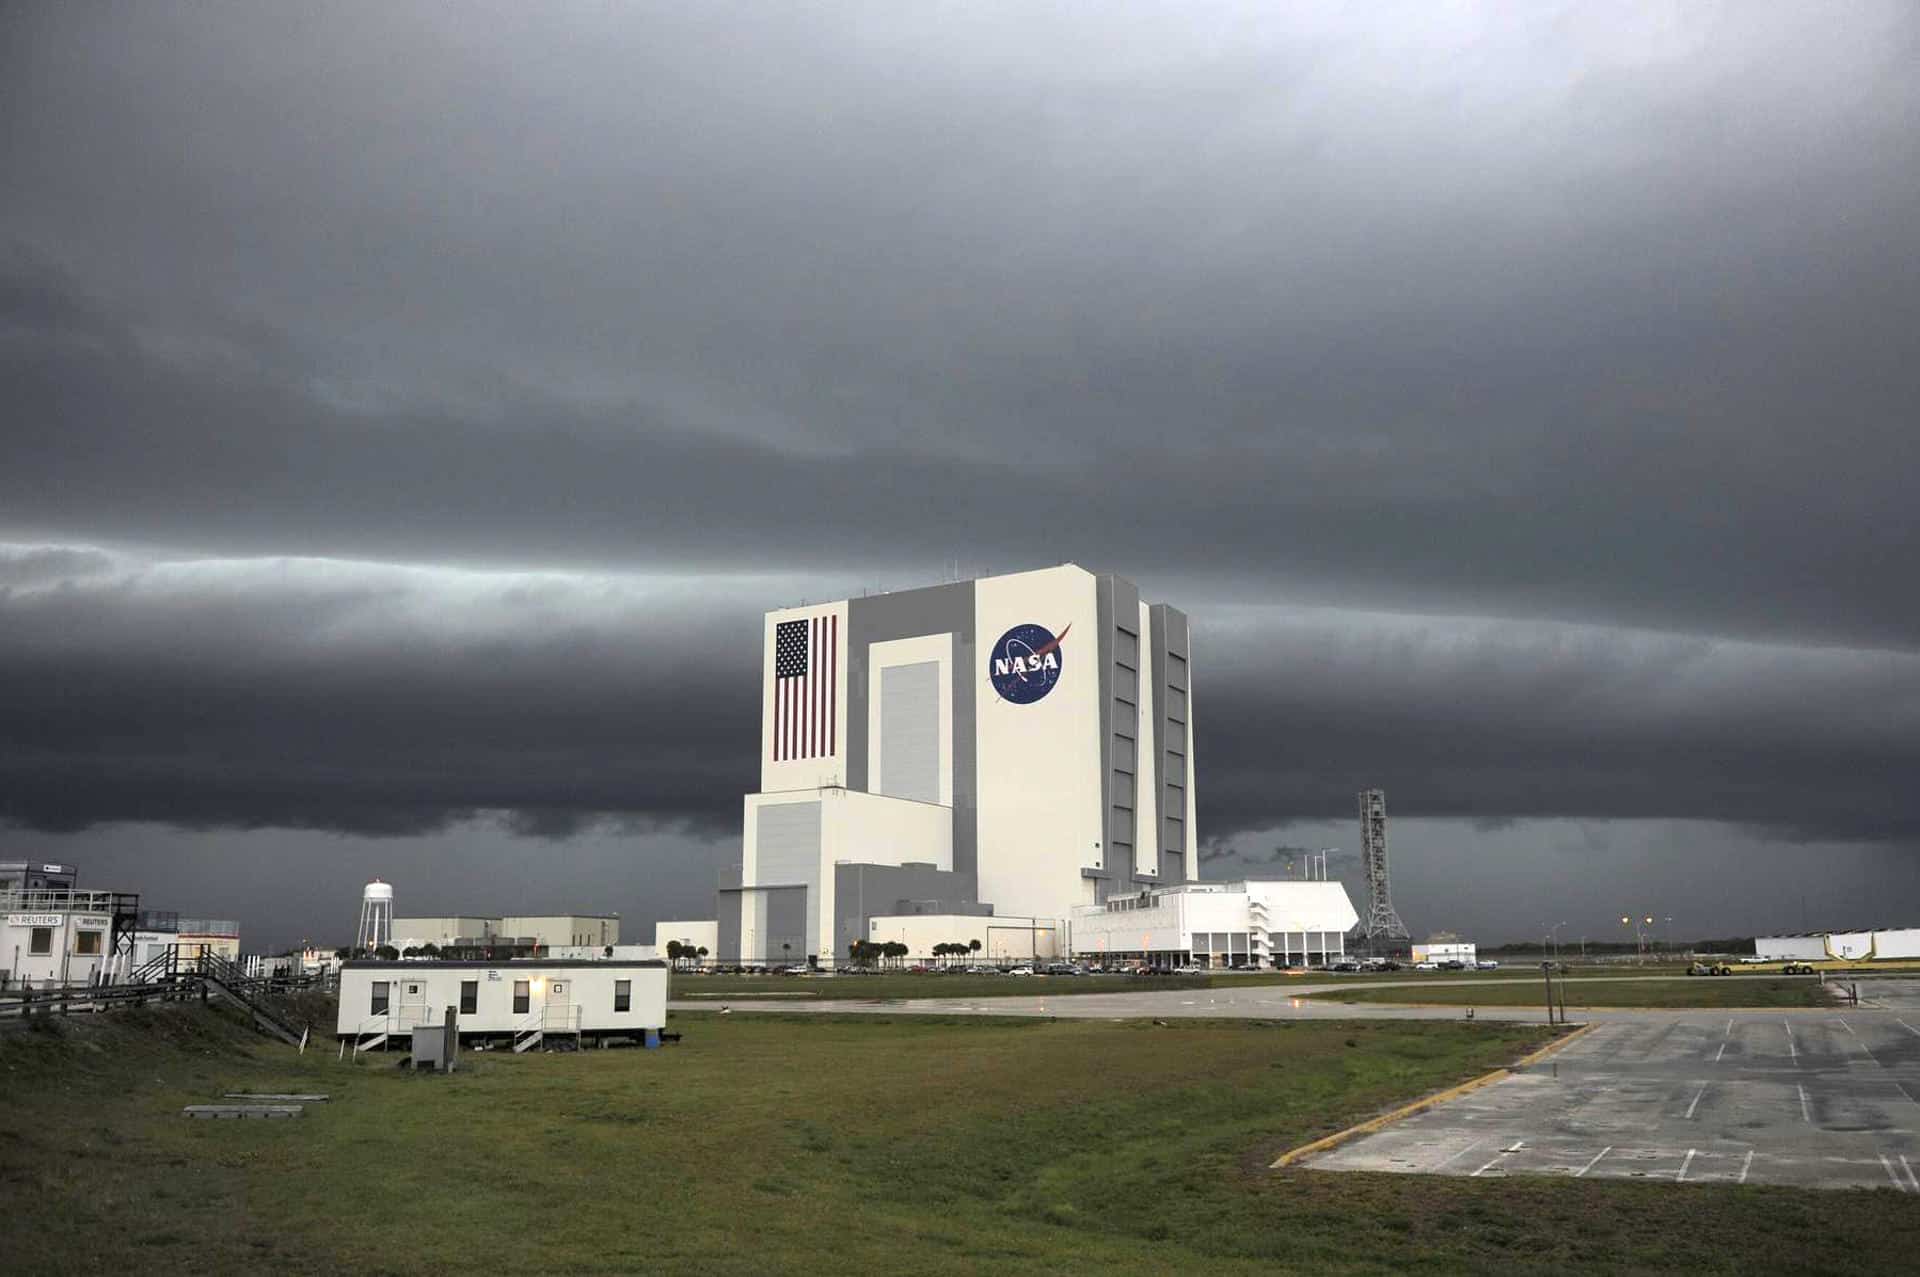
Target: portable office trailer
(502, 1000)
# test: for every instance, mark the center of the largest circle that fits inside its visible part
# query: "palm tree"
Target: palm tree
(674, 951)
(700, 955)
(973, 947)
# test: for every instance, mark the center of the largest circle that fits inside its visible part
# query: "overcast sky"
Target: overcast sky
(408, 411)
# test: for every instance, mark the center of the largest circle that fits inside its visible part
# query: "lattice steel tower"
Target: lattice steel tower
(1381, 922)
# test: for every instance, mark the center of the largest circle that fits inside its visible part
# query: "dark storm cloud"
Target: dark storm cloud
(370, 699)
(1601, 320)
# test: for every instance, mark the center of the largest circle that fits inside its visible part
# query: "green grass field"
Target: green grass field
(1695, 991)
(790, 1144)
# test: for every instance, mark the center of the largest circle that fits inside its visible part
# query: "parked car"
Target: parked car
(1345, 966)
(1487, 964)
(1748, 962)
(1426, 966)
(1188, 968)
(1453, 964)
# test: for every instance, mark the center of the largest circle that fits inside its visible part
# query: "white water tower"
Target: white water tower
(376, 916)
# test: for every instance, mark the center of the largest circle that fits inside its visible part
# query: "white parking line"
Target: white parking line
(1893, 1174)
(1912, 1179)
(1904, 1091)
(1681, 1178)
(1908, 1027)
(1729, 1032)
(1696, 1101)
(1745, 1167)
(1717, 1054)
(1806, 1114)
(1595, 1162)
(1516, 1147)
(1454, 1156)
(1848, 1028)
(1792, 1052)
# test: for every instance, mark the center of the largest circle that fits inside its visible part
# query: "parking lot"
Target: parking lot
(1816, 1099)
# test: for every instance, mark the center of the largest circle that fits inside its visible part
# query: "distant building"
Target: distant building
(217, 936)
(1021, 741)
(1220, 924)
(471, 931)
(1863, 945)
(63, 935)
(1446, 951)
(691, 935)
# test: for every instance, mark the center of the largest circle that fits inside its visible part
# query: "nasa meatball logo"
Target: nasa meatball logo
(1025, 664)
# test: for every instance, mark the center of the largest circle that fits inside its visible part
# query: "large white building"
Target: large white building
(1219, 924)
(1849, 946)
(1023, 742)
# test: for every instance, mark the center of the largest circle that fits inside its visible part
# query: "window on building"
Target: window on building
(623, 995)
(522, 997)
(469, 997)
(380, 991)
(87, 942)
(41, 941)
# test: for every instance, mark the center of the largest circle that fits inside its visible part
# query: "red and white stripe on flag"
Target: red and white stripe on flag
(806, 690)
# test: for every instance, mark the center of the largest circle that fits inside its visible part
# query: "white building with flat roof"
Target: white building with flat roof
(1219, 924)
(1023, 741)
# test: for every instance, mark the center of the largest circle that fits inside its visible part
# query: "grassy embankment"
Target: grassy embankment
(1698, 991)
(788, 1144)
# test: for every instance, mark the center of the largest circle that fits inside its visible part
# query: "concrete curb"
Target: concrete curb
(1438, 1097)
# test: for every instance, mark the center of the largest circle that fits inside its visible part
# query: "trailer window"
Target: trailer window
(379, 1006)
(522, 997)
(41, 941)
(623, 995)
(88, 942)
(469, 997)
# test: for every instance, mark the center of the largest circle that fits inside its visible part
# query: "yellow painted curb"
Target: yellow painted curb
(1438, 1097)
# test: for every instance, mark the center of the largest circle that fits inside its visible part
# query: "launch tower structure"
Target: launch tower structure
(1381, 921)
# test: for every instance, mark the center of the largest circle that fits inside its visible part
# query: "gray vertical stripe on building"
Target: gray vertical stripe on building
(910, 732)
(938, 609)
(1117, 610)
(1170, 637)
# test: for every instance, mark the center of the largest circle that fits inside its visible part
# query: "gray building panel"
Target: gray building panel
(910, 732)
(861, 892)
(1117, 607)
(1171, 654)
(880, 618)
(786, 936)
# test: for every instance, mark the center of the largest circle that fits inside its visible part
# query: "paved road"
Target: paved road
(1815, 1099)
(1252, 1001)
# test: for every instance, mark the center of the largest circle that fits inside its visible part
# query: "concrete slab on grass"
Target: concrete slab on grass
(1828, 1100)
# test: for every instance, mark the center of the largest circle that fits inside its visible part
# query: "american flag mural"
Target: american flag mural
(806, 691)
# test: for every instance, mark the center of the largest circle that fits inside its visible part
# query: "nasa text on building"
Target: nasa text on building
(1020, 741)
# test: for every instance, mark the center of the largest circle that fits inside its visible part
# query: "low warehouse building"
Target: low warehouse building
(1850, 946)
(694, 935)
(1001, 939)
(587, 999)
(1446, 951)
(1220, 924)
